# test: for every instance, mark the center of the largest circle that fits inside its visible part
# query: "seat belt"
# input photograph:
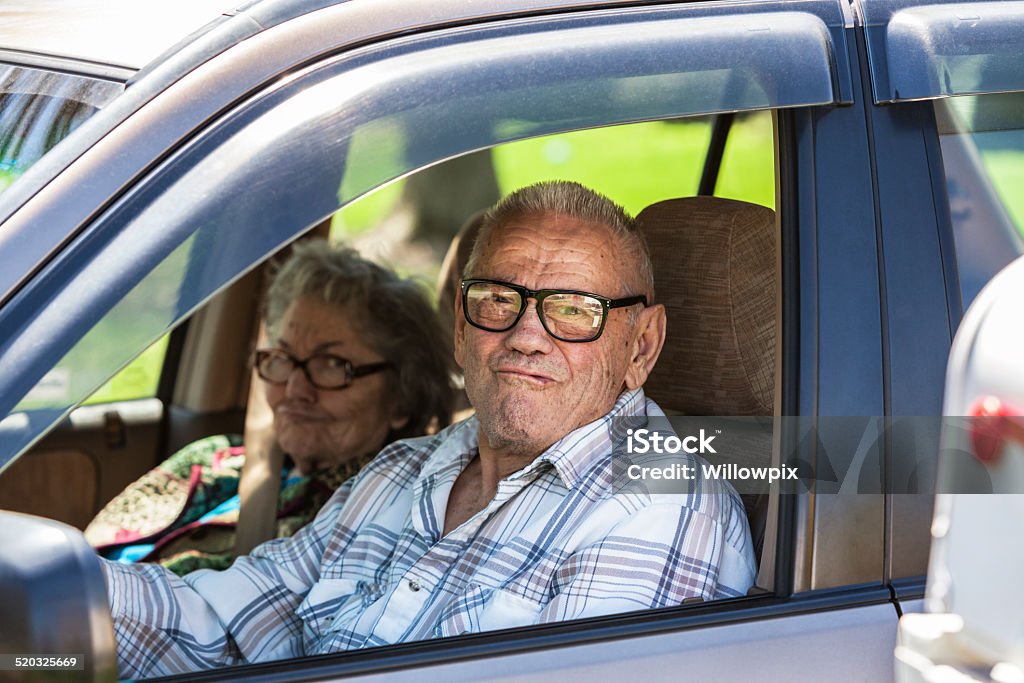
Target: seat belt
(259, 485)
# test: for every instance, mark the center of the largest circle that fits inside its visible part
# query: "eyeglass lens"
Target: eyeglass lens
(323, 370)
(569, 316)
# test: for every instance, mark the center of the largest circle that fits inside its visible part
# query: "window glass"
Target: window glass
(375, 150)
(139, 379)
(85, 369)
(38, 109)
(982, 140)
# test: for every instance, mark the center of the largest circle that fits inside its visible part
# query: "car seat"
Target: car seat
(716, 273)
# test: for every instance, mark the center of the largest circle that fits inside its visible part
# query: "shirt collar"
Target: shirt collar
(457, 443)
(580, 449)
(571, 456)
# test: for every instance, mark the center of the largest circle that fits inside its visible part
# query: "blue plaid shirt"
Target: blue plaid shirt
(556, 542)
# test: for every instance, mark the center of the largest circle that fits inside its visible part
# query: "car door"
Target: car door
(946, 82)
(166, 224)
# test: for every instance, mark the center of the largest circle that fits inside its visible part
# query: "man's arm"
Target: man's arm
(659, 556)
(247, 613)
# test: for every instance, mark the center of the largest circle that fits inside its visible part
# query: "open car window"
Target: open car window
(439, 100)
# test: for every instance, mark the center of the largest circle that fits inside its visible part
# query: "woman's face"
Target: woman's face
(322, 428)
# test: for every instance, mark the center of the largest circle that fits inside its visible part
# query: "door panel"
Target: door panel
(840, 646)
(72, 472)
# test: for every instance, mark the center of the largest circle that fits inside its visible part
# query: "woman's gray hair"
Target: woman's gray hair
(566, 198)
(393, 316)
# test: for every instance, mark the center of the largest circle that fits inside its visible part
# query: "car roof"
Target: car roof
(120, 33)
(117, 38)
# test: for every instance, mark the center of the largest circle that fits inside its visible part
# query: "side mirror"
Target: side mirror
(55, 623)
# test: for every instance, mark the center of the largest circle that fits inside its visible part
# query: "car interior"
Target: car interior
(714, 239)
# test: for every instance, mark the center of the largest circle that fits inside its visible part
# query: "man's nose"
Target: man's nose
(529, 335)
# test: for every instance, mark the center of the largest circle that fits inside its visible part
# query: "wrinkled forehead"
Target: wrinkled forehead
(550, 251)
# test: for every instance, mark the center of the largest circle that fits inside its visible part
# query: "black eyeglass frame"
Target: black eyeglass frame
(539, 295)
(352, 371)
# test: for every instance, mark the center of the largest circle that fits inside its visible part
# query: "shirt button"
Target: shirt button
(414, 585)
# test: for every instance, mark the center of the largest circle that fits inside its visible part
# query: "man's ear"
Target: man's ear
(460, 330)
(648, 339)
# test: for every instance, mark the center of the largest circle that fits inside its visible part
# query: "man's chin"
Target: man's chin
(516, 437)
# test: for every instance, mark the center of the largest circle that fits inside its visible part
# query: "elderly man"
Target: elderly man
(509, 518)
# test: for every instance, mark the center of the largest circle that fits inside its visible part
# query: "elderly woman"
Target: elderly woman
(357, 360)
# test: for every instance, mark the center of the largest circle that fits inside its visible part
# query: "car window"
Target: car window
(411, 92)
(982, 141)
(635, 164)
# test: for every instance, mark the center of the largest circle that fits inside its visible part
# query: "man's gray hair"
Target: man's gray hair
(392, 315)
(566, 198)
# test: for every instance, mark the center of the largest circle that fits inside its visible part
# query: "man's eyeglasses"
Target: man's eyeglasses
(567, 315)
(323, 370)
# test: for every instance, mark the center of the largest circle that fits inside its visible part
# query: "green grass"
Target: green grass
(748, 164)
(635, 165)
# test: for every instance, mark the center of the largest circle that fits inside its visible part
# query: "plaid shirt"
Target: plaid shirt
(373, 568)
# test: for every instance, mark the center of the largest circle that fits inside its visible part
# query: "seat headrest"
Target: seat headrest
(715, 271)
(451, 272)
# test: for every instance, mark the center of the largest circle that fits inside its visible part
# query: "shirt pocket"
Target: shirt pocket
(487, 609)
(331, 604)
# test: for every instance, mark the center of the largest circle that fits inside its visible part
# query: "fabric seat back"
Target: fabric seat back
(715, 271)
